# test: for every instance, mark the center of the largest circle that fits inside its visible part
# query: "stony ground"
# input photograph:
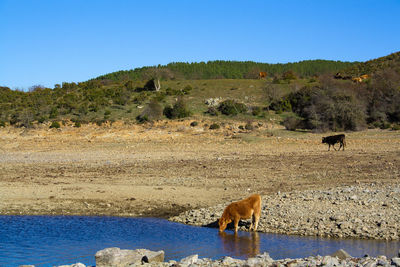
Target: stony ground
(168, 168)
(142, 257)
(360, 211)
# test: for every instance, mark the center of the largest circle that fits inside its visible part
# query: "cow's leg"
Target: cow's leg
(236, 222)
(256, 217)
(334, 147)
(329, 147)
(252, 221)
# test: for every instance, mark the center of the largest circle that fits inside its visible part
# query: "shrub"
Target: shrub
(385, 125)
(55, 124)
(249, 126)
(282, 105)
(395, 127)
(256, 111)
(142, 118)
(187, 89)
(2, 124)
(212, 111)
(153, 111)
(231, 107)
(41, 119)
(107, 112)
(179, 110)
(194, 123)
(289, 75)
(291, 123)
(140, 98)
(77, 124)
(53, 113)
(214, 126)
(170, 91)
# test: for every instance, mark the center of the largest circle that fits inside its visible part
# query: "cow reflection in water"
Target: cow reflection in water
(244, 244)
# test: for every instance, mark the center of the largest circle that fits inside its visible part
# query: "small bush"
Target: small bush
(99, 122)
(53, 113)
(395, 127)
(194, 123)
(212, 111)
(77, 124)
(107, 112)
(291, 123)
(142, 118)
(256, 111)
(42, 119)
(153, 111)
(55, 124)
(179, 110)
(249, 126)
(214, 126)
(187, 89)
(170, 91)
(2, 124)
(385, 125)
(231, 107)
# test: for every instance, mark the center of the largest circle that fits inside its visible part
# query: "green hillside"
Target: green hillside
(300, 95)
(391, 61)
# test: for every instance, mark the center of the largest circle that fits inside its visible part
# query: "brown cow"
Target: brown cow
(262, 75)
(360, 79)
(244, 209)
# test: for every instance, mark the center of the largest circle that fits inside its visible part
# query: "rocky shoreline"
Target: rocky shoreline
(369, 211)
(115, 257)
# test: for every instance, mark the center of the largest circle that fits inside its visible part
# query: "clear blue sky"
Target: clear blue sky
(48, 42)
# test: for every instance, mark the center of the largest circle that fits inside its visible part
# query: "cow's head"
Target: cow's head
(223, 222)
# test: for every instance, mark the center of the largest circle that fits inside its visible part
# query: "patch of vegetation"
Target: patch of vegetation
(231, 107)
(214, 126)
(55, 124)
(177, 111)
(153, 111)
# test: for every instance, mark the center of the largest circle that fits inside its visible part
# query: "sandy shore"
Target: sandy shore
(164, 169)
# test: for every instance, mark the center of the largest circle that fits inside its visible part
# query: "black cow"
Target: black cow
(333, 139)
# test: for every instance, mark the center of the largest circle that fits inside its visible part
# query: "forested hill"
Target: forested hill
(391, 61)
(228, 70)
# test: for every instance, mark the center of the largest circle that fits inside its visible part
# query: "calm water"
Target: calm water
(52, 240)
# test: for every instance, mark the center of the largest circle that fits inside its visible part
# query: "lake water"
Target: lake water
(56, 240)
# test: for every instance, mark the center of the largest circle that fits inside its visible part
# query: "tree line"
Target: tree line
(228, 70)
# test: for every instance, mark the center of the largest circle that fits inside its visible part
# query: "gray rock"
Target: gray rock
(189, 259)
(26, 266)
(395, 262)
(116, 257)
(231, 261)
(330, 261)
(341, 254)
(74, 265)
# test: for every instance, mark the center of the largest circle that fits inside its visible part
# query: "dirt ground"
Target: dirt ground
(163, 169)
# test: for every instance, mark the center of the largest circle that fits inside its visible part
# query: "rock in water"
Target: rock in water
(116, 257)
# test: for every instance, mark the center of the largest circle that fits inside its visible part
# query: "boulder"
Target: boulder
(341, 254)
(116, 257)
(74, 265)
(395, 262)
(189, 260)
